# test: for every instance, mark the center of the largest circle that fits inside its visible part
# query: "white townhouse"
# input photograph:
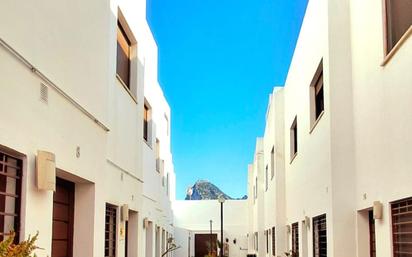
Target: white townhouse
(85, 130)
(332, 174)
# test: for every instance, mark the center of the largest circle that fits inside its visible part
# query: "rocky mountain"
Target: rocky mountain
(205, 190)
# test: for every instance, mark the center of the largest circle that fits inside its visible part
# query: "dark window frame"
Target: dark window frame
(320, 236)
(123, 57)
(391, 40)
(146, 121)
(294, 139)
(272, 163)
(273, 241)
(372, 237)
(110, 235)
(401, 214)
(295, 239)
(7, 162)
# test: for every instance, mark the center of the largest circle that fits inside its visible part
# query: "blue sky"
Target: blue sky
(218, 62)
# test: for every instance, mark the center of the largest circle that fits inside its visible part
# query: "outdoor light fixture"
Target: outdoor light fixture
(307, 222)
(221, 199)
(46, 171)
(377, 210)
(124, 212)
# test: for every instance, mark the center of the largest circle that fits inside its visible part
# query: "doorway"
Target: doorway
(203, 242)
(63, 217)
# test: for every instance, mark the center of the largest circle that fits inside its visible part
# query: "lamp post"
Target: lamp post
(221, 200)
(210, 237)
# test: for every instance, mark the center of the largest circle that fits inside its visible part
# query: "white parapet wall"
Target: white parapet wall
(194, 217)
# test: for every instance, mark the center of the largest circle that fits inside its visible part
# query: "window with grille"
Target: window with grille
(402, 228)
(295, 239)
(146, 119)
(110, 231)
(294, 139)
(398, 21)
(10, 195)
(319, 236)
(372, 239)
(273, 241)
(123, 55)
(272, 163)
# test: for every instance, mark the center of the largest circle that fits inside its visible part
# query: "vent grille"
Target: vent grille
(44, 93)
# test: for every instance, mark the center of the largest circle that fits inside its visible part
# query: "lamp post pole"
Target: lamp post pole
(210, 239)
(221, 201)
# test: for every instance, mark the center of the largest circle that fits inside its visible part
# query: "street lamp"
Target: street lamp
(210, 237)
(221, 200)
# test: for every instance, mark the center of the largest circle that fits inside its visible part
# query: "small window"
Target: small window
(167, 125)
(146, 122)
(110, 231)
(317, 95)
(294, 139)
(256, 188)
(256, 241)
(123, 62)
(398, 21)
(10, 195)
(267, 241)
(272, 163)
(402, 228)
(372, 238)
(319, 236)
(266, 178)
(295, 239)
(273, 241)
(167, 184)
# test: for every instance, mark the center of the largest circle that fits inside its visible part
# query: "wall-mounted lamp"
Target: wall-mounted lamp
(145, 223)
(377, 210)
(46, 171)
(124, 212)
(307, 222)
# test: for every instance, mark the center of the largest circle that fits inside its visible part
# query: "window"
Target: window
(295, 239)
(10, 195)
(146, 121)
(256, 241)
(167, 184)
(402, 227)
(267, 240)
(272, 163)
(273, 241)
(266, 178)
(167, 124)
(294, 139)
(158, 161)
(319, 236)
(124, 45)
(110, 231)
(398, 21)
(372, 238)
(256, 188)
(317, 98)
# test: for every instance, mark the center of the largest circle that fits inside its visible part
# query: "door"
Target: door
(203, 242)
(63, 212)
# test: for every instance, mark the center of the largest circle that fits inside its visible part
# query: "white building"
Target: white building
(337, 138)
(79, 81)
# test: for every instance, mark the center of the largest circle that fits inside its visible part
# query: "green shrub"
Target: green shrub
(23, 249)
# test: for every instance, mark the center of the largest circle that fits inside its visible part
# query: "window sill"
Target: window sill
(316, 122)
(398, 45)
(126, 88)
(293, 157)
